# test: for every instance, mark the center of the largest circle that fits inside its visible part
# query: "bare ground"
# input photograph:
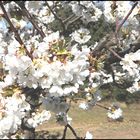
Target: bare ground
(96, 122)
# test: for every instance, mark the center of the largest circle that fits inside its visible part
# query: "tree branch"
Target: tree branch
(136, 46)
(102, 106)
(31, 19)
(100, 45)
(17, 37)
(64, 134)
(67, 19)
(114, 53)
(58, 18)
(123, 21)
(73, 131)
(106, 42)
(70, 22)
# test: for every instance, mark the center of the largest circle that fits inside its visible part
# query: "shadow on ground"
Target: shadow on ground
(47, 135)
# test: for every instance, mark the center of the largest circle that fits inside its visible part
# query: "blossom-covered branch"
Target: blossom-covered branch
(31, 19)
(17, 36)
(125, 18)
(58, 18)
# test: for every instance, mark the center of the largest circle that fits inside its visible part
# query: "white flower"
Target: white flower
(97, 96)
(22, 23)
(83, 106)
(88, 135)
(19, 24)
(135, 87)
(38, 118)
(128, 63)
(76, 8)
(31, 123)
(136, 56)
(9, 80)
(45, 15)
(33, 6)
(95, 79)
(56, 90)
(81, 36)
(11, 61)
(9, 124)
(4, 137)
(114, 113)
(92, 14)
(53, 37)
(87, 10)
(47, 70)
(17, 105)
(16, 64)
(67, 90)
(123, 7)
(107, 11)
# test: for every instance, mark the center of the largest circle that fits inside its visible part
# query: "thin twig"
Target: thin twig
(114, 6)
(17, 36)
(112, 73)
(118, 26)
(55, 15)
(114, 53)
(31, 19)
(101, 44)
(123, 21)
(102, 106)
(70, 22)
(107, 42)
(73, 131)
(64, 134)
(67, 19)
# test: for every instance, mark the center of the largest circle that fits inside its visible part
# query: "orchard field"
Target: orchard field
(96, 122)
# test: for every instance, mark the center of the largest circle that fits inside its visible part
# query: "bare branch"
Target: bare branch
(73, 131)
(102, 106)
(67, 19)
(64, 134)
(70, 22)
(17, 37)
(101, 44)
(114, 53)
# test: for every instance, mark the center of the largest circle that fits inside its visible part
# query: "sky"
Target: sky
(3, 24)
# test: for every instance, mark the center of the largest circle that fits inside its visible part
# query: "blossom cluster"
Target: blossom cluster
(54, 68)
(130, 63)
(12, 111)
(119, 11)
(87, 10)
(115, 113)
(38, 118)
